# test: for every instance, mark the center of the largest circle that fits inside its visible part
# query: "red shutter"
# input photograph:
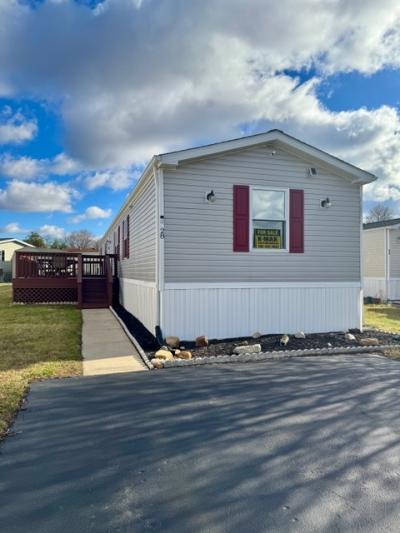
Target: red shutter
(123, 240)
(127, 237)
(296, 222)
(119, 243)
(241, 218)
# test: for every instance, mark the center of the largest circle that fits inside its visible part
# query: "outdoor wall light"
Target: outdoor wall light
(326, 203)
(210, 197)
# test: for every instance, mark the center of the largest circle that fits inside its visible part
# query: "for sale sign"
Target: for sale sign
(267, 238)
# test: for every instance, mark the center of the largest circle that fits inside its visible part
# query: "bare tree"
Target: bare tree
(81, 239)
(379, 213)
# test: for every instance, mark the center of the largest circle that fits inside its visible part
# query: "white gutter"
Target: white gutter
(159, 222)
(387, 263)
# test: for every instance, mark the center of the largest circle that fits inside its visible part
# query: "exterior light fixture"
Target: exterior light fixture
(326, 203)
(210, 197)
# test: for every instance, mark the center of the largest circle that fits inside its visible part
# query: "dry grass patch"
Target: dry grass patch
(36, 342)
(384, 317)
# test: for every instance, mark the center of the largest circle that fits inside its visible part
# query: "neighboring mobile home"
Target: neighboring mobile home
(260, 233)
(8, 246)
(381, 257)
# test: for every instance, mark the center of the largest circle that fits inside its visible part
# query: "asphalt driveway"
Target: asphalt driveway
(311, 444)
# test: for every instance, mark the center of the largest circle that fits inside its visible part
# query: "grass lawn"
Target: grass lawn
(36, 342)
(385, 317)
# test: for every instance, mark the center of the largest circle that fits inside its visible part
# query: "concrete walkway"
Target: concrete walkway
(105, 347)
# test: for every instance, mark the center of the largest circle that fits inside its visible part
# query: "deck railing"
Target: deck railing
(62, 265)
(46, 265)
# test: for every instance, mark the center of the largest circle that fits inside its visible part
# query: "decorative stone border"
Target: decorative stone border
(142, 354)
(275, 355)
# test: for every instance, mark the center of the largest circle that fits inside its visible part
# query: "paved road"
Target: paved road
(311, 444)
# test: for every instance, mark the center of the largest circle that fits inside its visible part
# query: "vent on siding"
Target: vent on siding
(312, 171)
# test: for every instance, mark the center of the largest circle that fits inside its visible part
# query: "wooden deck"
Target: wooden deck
(89, 281)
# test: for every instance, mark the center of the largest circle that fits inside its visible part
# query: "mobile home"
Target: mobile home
(257, 234)
(381, 258)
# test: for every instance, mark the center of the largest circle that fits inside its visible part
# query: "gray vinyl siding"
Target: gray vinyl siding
(198, 236)
(374, 253)
(141, 264)
(394, 253)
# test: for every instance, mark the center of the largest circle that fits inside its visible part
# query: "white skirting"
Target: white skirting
(379, 288)
(229, 311)
(140, 299)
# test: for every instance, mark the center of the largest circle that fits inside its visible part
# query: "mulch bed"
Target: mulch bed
(146, 340)
(270, 343)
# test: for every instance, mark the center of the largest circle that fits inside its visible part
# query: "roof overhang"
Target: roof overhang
(386, 226)
(17, 240)
(280, 139)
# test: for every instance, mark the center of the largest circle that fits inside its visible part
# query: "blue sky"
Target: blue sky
(90, 90)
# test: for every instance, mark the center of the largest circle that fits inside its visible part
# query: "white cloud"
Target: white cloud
(27, 168)
(216, 65)
(15, 128)
(118, 179)
(37, 197)
(62, 165)
(13, 228)
(22, 168)
(91, 213)
(51, 231)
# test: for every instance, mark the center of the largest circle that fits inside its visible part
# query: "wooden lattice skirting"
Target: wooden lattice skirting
(45, 295)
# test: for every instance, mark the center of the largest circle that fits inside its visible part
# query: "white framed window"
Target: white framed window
(269, 219)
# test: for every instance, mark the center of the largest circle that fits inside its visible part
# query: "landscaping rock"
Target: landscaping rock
(163, 354)
(349, 337)
(185, 354)
(300, 335)
(284, 340)
(177, 352)
(251, 348)
(201, 341)
(173, 342)
(157, 363)
(256, 335)
(329, 345)
(369, 341)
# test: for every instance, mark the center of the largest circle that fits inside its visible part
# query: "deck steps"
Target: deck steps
(94, 293)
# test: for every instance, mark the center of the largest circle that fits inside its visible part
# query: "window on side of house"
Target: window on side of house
(2, 255)
(269, 219)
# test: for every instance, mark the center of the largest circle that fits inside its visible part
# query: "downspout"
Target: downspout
(387, 264)
(159, 178)
(361, 259)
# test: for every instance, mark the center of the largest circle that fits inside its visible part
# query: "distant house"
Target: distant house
(260, 233)
(381, 258)
(8, 246)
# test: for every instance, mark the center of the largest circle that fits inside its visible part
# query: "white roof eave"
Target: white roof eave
(297, 147)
